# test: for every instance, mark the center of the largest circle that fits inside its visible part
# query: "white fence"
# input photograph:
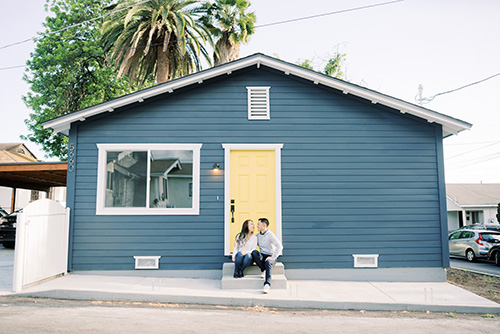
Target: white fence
(41, 243)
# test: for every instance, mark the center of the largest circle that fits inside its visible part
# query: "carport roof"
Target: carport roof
(33, 175)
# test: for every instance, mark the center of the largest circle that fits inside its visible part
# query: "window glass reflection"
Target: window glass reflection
(171, 178)
(126, 173)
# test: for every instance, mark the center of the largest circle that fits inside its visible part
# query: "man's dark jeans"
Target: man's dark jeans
(267, 266)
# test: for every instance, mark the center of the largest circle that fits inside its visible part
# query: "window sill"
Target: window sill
(145, 212)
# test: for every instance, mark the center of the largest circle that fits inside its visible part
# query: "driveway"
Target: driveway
(6, 270)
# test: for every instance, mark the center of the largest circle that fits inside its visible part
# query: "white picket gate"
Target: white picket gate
(41, 243)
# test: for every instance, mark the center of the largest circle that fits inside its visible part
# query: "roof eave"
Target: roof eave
(450, 125)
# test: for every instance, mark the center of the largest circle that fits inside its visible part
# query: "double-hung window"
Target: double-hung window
(142, 179)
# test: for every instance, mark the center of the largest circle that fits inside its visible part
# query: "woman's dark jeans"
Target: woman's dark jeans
(241, 262)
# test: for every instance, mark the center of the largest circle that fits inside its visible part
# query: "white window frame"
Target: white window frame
(103, 149)
(267, 115)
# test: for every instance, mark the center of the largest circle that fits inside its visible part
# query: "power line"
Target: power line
(475, 162)
(474, 150)
(429, 99)
(476, 143)
(72, 26)
(261, 26)
(12, 67)
(330, 13)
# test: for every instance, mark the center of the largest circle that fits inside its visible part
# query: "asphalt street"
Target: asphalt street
(25, 315)
(481, 266)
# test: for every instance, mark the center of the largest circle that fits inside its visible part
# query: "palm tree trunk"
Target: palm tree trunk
(227, 50)
(162, 66)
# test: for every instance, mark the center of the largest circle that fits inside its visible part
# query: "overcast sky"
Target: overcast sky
(392, 48)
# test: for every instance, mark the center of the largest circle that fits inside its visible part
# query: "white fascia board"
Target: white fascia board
(63, 124)
(450, 125)
(453, 201)
(61, 129)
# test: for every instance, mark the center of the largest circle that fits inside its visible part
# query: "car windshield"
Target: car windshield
(491, 237)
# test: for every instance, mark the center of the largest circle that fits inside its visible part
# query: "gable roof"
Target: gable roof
(15, 152)
(474, 195)
(450, 125)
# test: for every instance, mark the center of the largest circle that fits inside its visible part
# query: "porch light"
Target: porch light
(216, 167)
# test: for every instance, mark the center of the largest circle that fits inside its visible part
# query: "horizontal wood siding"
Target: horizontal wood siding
(357, 178)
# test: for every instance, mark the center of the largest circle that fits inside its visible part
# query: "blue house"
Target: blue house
(351, 180)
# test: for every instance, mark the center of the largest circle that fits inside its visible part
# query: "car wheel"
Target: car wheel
(9, 244)
(497, 258)
(471, 257)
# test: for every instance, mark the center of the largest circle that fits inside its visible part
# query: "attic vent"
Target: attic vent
(147, 262)
(365, 261)
(258, 103)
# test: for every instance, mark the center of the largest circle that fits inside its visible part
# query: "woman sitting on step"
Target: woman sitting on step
(244, 245)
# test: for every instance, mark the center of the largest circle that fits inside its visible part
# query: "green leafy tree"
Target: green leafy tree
(231, 23)
(306, 64)
(332, 68)
(158, 37)
(67, 70)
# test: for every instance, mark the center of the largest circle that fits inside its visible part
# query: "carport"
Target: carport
(32, 176)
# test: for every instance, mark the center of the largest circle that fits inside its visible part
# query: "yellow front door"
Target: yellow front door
(252, 189)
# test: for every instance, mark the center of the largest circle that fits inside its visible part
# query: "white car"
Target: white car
(472, 244)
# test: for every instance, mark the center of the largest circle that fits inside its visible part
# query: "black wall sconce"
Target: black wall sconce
(216, 167)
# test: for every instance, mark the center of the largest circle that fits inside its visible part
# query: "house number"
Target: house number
(71, 158)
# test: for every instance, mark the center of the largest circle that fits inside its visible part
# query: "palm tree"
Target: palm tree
(227, 20)
(158, 38)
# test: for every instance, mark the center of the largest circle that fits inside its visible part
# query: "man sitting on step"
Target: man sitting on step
(270, 249)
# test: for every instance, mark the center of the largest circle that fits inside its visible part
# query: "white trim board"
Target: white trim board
(450, 125)
(227, 176)
(101, 180)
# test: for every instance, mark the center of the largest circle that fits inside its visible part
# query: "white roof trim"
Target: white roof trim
(450, 125)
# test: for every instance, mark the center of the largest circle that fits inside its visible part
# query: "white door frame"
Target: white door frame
(227, 185)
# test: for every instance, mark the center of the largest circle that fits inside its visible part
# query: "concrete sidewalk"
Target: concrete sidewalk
(332, 295)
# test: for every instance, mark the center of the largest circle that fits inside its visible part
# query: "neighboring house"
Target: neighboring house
(15, 152)
(472, 204)
(349, 178)
(18, 153)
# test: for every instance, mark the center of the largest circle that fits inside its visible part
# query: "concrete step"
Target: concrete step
(228, 269)
(252, 280)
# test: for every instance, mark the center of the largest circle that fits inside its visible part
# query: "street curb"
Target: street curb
(263, 300)
(475, 271)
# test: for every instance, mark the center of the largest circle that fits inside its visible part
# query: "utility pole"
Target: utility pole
(420, 91)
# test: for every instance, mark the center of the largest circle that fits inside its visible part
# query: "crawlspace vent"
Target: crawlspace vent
(147, 262)
(365, 260)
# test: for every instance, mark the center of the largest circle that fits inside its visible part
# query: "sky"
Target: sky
(392, 48)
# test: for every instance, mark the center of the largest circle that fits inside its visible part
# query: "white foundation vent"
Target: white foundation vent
(147, 262)
(365, 260)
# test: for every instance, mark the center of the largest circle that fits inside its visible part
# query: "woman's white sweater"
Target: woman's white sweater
(245, 247)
